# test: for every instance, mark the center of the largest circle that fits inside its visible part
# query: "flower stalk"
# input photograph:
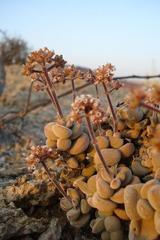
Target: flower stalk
(114, 117)
(73, 89)
(54, 181)
(94, 142)
(150, 107)
(52, 93)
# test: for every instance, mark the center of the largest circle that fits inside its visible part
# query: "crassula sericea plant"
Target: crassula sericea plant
(105, 164)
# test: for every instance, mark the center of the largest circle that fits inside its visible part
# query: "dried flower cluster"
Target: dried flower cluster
(86, 104)
(146, 96)
(104, 74)
(41, 58)
(38, 154)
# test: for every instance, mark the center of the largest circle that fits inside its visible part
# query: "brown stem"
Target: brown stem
(97, 92)
(51, 97)
(53, 93)
(54, 181)
(99, 129)
(150, 107)
(73, 89)
(94, 141)
(28, 99)
(111, 107)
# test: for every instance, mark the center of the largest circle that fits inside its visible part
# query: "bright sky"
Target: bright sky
(90, 32)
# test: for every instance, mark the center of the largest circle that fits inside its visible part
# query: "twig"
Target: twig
(28, 99)
(55, 183)
(114, 118)
(10, 116)
(96, 147)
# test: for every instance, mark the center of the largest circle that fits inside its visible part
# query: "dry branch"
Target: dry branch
(10, 116)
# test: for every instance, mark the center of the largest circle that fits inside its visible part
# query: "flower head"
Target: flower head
(86, 104)
(104, 74)
(38, 153)
(153, 93)
(43, 57)
(60, 74)
(135, 97)
(90, 76)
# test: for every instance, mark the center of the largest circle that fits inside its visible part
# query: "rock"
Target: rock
(36, 190)
(15, 223)
(53, 232)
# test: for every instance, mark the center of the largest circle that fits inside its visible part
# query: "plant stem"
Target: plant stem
(94, 141)
(150, 107)
(53, 93)
(73, 89)
(51, 97)
(111, 108)
(97, 92)
(99, 129)
(54, 181)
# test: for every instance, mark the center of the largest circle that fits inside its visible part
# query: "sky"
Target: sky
(90, 32)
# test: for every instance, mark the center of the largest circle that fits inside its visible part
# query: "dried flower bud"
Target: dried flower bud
(38, 153)
(43, 57)
(153, 93)
(135, 97)
(90, 76)
(86, 104)
(104, 74)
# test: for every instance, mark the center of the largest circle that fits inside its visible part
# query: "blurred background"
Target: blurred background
(88, 33)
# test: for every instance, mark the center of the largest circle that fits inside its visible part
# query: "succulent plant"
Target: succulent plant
(106, 168)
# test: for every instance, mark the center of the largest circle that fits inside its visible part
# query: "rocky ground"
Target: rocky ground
(22, 214)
